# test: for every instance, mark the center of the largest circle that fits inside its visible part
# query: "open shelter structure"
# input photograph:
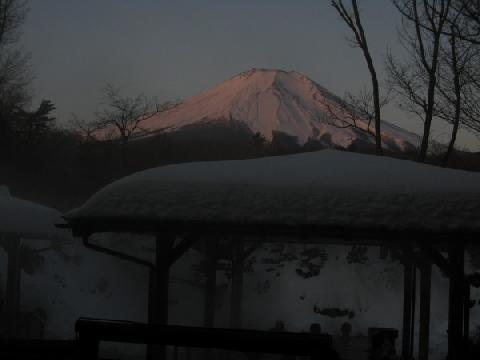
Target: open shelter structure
(22, 220)
(425, 213)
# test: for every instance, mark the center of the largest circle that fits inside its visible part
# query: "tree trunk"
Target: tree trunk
(376, 100)
(451, 144)
(458, 99)
(375, 87)
(422, 157)
(432, 83)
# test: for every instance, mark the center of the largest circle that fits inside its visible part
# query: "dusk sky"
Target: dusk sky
(177, 49)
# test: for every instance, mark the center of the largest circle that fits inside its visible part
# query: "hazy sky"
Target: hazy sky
(179, 48)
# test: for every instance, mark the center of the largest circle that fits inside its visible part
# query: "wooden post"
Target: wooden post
(211, 250)
(408, 293)
(12, 302)
(466, 318)
(237, 284)
(456, 251)
(211, 281)
(162, 275)
(413, 307)
(151, 295)
(88, 348)
(425, 295)
(159, 284)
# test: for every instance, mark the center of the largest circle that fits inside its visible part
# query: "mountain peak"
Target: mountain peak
(269, 74)
(270, 101)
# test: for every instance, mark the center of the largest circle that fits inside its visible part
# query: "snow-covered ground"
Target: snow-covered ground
(269, 101)
(78, 282)
(96, 285)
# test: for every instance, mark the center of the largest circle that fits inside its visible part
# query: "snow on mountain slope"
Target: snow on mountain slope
(270, 101)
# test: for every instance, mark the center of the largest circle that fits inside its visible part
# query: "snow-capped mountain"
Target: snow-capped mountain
(275, 101)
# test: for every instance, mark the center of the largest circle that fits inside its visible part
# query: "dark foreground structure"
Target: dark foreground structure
(90, 332)
(22, 222)
(426, 215)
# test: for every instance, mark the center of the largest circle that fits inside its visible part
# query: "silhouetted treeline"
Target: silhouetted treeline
(60, 168)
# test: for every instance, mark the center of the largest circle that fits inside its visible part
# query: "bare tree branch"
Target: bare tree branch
(416, 79)
(125, 114)
(353, 20)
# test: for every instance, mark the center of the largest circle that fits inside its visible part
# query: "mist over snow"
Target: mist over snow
(80, 282)
(291, 283)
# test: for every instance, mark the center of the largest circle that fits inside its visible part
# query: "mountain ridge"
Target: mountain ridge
(278, 101)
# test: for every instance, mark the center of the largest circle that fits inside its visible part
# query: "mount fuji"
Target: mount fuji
(270, 102)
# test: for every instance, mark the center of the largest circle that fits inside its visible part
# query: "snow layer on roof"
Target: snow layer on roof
(321, 188)
(4, 191)
(22, 218)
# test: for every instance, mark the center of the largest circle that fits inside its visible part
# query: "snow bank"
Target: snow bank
(28, 220)
(331, 188)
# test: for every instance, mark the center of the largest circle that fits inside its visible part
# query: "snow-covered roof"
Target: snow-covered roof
(325, 188)
(22, 218)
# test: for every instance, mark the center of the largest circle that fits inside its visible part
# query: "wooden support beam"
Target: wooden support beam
(115, 253)
(436, 257)
(425, 295)
(159, 284)
(408, 314)
(12, 303)
(466, 318)
(456, 300)
(163, 247)
(414, 298)
(211, 282)
(151, 295)
(237, 283)
(180, 249)
(249, 250)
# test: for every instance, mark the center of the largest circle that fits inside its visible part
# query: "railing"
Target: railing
(39, 349)
(91, 331)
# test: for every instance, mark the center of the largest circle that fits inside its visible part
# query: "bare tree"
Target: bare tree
(471, 110)
(85, 129)
(466, 26)
(363, 105)
(12, 17)
(124, 115)
(354, 111)
(15, 74)
(415, 79)
(457, 86)
(353, 21)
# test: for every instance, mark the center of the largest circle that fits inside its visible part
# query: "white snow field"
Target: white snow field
(326, 188)
(269, 101)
